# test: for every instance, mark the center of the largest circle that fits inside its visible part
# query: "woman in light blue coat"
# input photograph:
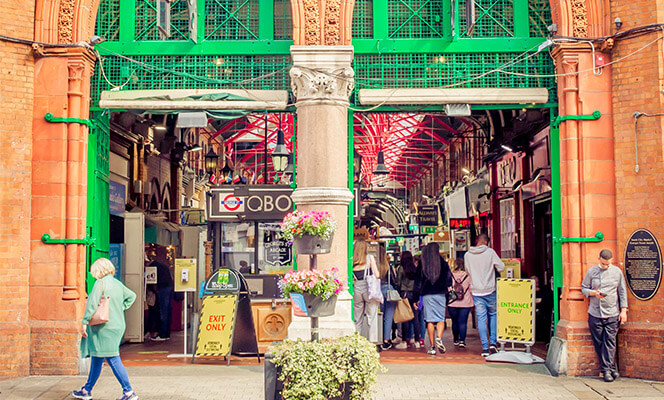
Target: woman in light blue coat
(102, 341)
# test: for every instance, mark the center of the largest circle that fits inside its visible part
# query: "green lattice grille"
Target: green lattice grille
(283, 20)
(231, 19)
(486, 18)
(539, 14)
(146, 20)
(363, 20)
(193, 72)
(415, 18)
(463, 69)
(108, 19)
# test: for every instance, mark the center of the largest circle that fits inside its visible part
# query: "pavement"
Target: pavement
(400, 382)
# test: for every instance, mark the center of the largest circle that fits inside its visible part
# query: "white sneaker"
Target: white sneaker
(397, 340)
(416, 344)
(431, 352)
(401, 346)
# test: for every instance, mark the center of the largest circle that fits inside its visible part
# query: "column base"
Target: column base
(337, 325)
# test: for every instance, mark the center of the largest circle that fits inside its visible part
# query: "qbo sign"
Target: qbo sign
(269, 202)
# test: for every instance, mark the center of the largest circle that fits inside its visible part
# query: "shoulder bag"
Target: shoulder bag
(403, 311)
(102, 313)
(392, 294)
(373, 282)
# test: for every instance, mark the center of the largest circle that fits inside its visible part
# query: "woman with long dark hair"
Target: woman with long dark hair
(435, 282)
(406, 277)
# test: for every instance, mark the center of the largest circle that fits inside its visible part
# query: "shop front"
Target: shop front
(244, 226)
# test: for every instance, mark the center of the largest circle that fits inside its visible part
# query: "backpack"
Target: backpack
(457, 287)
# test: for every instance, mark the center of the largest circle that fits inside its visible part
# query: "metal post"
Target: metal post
(265, 152)
(556, 214)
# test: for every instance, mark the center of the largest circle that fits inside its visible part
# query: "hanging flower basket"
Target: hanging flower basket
(311, 232)
(312, 244)
(312, 293)
(308, 305)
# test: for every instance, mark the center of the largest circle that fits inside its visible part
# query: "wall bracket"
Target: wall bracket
(88, 241)
(50, 118)
(587, 117)
(599, 236)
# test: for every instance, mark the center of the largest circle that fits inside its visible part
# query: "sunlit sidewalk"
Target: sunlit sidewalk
(401, 382)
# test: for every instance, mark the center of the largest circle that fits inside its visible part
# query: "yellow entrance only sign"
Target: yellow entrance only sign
(516, 310)
(215, 333)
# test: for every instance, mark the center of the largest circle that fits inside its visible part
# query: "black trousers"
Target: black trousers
(604, 332)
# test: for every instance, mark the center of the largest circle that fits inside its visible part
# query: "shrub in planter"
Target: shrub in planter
(328, 368)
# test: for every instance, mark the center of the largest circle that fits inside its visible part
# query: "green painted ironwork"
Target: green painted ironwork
(415, 19)
(539, 16)
(145, 27)
(98, 207)
(589, 117)
(487, 18)
(363, 19)
(556, 216)
(88, 241)
(231, 19)
(351, 206)
(283, 20)
(463, 70)
(50, 118)
(192, 72)
(108, 20)
(599, 236)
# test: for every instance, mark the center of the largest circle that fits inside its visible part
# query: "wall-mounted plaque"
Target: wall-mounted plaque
(643, 264)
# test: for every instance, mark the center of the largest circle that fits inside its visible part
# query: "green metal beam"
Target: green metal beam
(599, 236)
(46, 238)
(380, 18)
(50, 118)
(591, 117)
(127, 20)
(266, 18)
(282, 47)
(521, 18)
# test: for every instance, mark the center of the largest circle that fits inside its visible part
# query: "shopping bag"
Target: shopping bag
(373, 282)
(403, 312)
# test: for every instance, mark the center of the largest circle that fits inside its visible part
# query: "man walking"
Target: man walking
(604, 285)
(482, 263)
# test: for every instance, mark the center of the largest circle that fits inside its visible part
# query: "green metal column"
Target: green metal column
(351, 206)
(266, 20)
(556, 216)
(521, 19)
(380, 18)
(127, 20)
(98, 208)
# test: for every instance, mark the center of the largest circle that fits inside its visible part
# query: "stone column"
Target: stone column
(322, 80)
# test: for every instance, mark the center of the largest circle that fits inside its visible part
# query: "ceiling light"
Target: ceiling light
(507, 148)
(160, 128)
(465, 170)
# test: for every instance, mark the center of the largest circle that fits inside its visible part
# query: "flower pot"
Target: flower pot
(308, 305)
(311, 244)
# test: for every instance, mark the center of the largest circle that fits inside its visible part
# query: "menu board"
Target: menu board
(643, 264)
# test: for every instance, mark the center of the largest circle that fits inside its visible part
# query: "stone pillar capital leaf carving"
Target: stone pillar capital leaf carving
(322, 83)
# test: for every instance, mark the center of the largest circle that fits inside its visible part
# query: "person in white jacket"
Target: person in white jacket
(482, 263)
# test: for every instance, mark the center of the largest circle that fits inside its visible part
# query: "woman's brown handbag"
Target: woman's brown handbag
(103, 309)
(403, 312)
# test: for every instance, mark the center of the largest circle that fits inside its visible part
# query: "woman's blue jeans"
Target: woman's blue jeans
(116, 366)
(459, 322)
(388, 314)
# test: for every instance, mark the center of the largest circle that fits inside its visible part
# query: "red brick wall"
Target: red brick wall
(16, 90)
(637, 85)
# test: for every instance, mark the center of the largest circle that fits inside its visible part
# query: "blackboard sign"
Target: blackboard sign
(427, 216)
(278, 253)
(643, 264)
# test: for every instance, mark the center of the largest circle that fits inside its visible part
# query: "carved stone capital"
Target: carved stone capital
(322, 73)
(322, 195)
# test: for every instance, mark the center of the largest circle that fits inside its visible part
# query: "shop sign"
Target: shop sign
(278, 253)
(516, 310)
(192, 217)
(427, 215)
(459, 223)
(508, 172)
(215, 333)
(116, 195)
(429, 229)
(643, 264)
(250, 203)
